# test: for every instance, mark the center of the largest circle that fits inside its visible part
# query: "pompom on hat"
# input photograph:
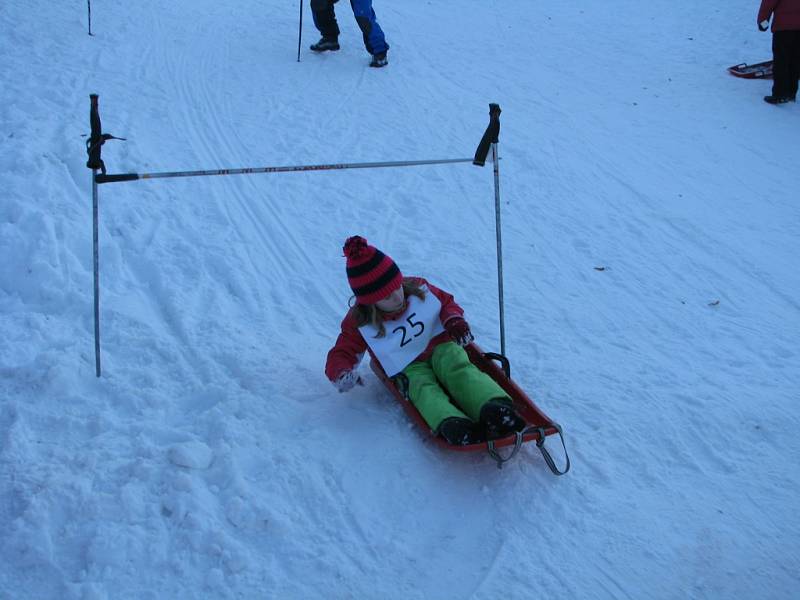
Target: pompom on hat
(372, 274)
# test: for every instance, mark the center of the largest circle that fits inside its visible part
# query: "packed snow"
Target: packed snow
(650, 229)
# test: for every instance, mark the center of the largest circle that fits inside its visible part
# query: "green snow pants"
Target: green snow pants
(450, 368)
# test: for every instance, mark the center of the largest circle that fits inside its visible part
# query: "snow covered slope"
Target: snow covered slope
(214, 460)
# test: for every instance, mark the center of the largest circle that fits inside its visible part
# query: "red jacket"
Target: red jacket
(787, 14)
(350, 345)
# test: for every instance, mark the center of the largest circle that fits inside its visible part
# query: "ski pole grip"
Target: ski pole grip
(96, 137)
(490, 136)
(117, 178)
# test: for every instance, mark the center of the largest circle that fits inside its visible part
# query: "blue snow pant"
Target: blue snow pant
(325, 21)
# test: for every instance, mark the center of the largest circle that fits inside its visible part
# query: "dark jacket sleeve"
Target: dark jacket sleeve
(347, 351)
(766, 10)
(785, 14)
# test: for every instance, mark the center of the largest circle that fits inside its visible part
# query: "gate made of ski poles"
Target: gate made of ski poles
(97, 138)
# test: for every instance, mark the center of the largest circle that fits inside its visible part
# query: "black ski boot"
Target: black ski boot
(325, 44)
(379, 60)
(459, 431)
(500, 419)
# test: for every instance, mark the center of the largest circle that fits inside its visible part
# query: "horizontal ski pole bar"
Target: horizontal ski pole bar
(254, 170)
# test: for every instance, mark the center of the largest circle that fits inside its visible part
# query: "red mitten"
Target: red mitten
(458, 329)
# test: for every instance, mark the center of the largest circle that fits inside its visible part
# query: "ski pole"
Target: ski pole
(95, 162)
(89, 2)
(498, 230)
(94, 147)
(300, 32)
(489, 141)
(96, 271)
(255, 170)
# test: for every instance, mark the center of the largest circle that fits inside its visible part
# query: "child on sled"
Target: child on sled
(412, 327)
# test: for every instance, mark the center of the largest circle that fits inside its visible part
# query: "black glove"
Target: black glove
(763, 25)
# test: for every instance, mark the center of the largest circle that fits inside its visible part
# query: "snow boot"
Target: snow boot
(459, 431)
(325, 44)
(499, 419)
(779, 99)
(379, 60)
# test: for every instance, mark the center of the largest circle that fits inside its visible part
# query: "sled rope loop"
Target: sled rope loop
(520, 435)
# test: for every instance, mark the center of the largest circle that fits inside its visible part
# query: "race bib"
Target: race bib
(406, 336)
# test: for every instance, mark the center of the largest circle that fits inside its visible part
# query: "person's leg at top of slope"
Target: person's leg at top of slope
(374, 38)
(785, 16)
(325, 21)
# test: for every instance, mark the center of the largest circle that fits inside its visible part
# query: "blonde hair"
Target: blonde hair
(370, 314)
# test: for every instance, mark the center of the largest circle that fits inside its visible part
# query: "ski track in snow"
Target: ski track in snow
(213, 459)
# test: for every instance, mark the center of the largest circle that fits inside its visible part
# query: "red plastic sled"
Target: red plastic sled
(762, 70)
(538, 427)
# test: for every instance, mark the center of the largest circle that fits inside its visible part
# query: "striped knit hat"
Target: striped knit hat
(372, 275)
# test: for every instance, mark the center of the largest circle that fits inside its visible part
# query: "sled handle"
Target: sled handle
(520, 435)
(498, 457)
(502, 360)
(545, 453)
